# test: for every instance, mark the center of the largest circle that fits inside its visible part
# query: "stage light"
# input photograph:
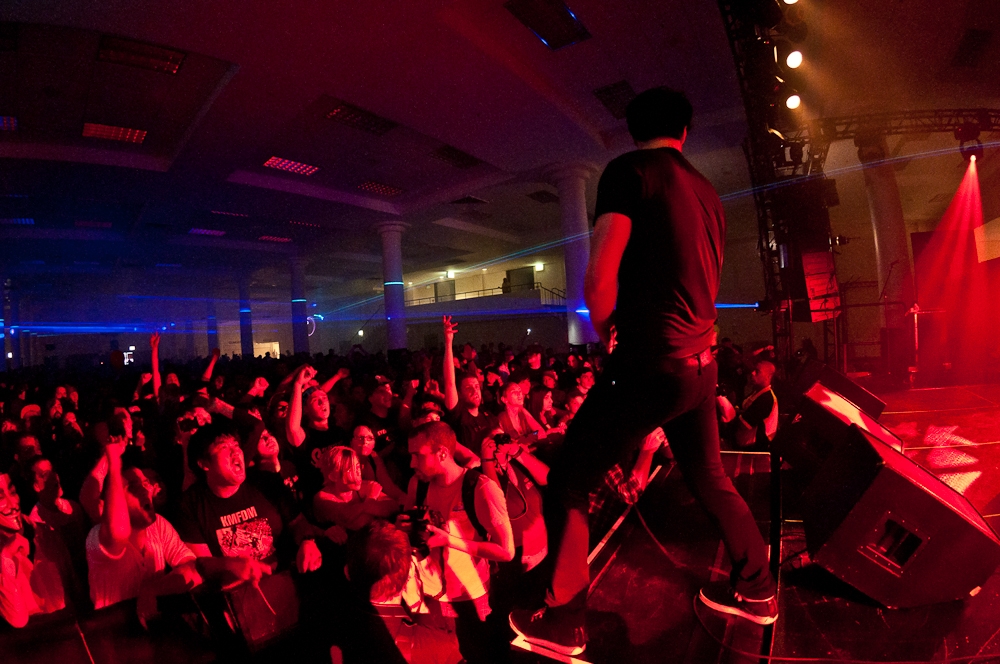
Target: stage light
(10, 356)
(790, 2)
(794, 59)
(793, 101)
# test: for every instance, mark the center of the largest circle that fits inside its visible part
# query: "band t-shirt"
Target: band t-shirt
(669, 273)
(244, 525)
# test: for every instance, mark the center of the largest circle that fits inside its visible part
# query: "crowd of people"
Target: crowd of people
(400, 511)
(213, 478)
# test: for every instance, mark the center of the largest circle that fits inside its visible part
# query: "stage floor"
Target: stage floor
(645, 578)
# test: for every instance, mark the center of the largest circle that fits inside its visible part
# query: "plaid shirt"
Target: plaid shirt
(627, 489)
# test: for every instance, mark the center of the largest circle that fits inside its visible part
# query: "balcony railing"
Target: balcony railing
(553, 297)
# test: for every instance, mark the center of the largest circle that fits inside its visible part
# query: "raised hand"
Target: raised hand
(154, 341)
(449, 329)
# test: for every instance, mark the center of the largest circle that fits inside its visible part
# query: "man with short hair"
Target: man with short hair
(464, 540)
(653, 274)
(464, 399)
(756, 421)
(226, 519)
(129, 550)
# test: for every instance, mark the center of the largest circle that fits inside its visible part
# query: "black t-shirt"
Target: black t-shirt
(470, 430)
(669, 273)
(245, 524)
(756, 412)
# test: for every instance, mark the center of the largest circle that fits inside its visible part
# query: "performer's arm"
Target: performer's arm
(600, 286)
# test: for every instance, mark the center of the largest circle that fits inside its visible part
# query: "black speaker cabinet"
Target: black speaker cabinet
(821, 417)
(891, 529)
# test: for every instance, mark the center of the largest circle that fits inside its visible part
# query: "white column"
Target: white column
(571, 182)
(391, 233)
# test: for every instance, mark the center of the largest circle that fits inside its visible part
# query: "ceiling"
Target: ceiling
(404, 108)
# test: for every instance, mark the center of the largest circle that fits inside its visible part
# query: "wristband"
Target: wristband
(519, 450)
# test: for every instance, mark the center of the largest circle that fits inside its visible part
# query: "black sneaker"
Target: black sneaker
(564, 634)
(721, 597)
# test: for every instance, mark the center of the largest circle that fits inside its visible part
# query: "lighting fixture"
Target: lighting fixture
(451, 274)
(372, 187)
(361, 333)
(793, 101)
(137, 54)
(539, 267)
(113, 133)
(206, 231)
(17, 221)
(8, 123)
(274, 238)
(296, 167)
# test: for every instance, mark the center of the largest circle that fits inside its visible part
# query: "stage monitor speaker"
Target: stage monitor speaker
(814, 371)
(891, 529)
(821, 416)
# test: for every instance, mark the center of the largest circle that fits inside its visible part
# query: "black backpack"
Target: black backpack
(469, 483)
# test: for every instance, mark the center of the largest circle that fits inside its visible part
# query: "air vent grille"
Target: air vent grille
(290, 166)
(615, 97)
(379, 189)
(83, 223)
(17, 221)
(8, 123)
(274, 238)
(206, 231)
(229, 214)
(543, 196)
(112, 133)
(551, 21)
(359, 118)
(137, 54)
(455, 157)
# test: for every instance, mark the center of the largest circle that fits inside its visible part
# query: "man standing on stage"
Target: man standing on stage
(655, 264)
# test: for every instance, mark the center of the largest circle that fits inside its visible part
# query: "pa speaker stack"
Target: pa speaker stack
(874, 518)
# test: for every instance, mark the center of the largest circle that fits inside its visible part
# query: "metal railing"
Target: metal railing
(550, 296)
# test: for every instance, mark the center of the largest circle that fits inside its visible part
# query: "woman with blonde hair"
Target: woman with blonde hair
(346, 499)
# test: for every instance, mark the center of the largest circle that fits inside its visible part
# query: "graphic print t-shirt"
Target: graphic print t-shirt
(246, 524)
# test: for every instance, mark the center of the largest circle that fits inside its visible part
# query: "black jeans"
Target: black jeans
(633, 396)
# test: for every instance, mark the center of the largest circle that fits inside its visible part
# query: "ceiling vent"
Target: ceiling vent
(290, 166)
(206, 231)
(17, 221)
(551, 21)
(137, 54)
(274, 238)
(380, 189)
(615, 97)
(359, 118)
(543, 196)
(8, 123)
(8, 37)
(112, 133)
(83, 223)
(229, 214)
(455, 157)
(469, 200)
(305, 223)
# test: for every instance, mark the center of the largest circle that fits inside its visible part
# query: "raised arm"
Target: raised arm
(450, 387)
(154, 347)
(207, 374)
(600, 286)
(342, 373)
(115, 525)
(293, 423)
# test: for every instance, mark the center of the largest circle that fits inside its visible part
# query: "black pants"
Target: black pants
(634, 396)
(480, 641)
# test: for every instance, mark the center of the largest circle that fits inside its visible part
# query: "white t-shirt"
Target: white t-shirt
(115, 579)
